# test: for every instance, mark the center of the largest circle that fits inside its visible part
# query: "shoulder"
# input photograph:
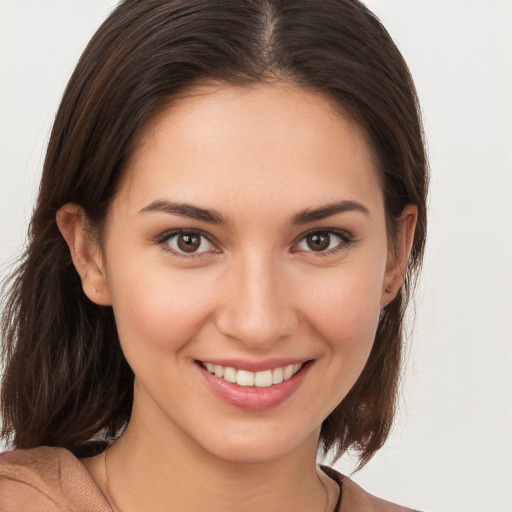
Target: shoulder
(47, 479)
(355, 499)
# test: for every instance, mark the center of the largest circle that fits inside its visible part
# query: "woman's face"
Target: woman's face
(246, 260)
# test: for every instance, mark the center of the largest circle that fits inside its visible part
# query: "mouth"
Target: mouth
(266, 387)
(261, 379)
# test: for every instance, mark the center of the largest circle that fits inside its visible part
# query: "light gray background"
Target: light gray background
(451, 449)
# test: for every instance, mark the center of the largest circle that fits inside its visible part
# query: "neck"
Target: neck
(149, 469)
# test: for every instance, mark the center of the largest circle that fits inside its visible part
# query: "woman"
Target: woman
(231, 213)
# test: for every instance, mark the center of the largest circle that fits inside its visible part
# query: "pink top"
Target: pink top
(52, 479)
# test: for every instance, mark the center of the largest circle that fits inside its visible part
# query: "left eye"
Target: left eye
(189, 243)
(321, 241)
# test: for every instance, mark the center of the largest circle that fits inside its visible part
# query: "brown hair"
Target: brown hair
(66, 379)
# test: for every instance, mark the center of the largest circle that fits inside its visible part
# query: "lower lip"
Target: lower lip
(252, 398)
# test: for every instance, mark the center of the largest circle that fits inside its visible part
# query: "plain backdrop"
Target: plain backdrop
(451, 449)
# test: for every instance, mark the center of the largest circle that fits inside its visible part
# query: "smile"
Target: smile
(245, 378)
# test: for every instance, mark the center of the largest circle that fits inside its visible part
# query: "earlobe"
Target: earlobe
(85, 252)
(397, 262)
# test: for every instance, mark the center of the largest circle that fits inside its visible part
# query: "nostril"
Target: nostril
(257, 328)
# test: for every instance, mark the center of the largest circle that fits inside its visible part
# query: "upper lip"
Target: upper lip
(255, 366)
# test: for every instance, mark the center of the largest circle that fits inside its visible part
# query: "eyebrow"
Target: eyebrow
(323, 212)
(214, 217)
(185, 210)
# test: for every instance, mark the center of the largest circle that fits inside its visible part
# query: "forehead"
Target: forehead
(262, 139)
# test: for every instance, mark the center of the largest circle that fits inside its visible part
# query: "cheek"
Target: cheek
(344, 318)
(346, 313)
(158, 309)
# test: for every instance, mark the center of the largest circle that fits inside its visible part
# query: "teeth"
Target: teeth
(263, 379)
(277, 376)
(230, 374)
(244, 378)
(288, 372)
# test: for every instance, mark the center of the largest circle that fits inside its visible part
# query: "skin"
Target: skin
(254, 291)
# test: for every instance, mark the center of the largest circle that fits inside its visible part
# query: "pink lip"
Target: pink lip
(254, 398)
(255, 366)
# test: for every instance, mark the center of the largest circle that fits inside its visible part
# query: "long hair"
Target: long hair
(66, 379)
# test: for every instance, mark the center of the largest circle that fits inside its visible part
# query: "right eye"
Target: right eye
(188, 243)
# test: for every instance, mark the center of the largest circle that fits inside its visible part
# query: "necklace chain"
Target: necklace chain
(115, 508)
(326, 490)
(112, 503)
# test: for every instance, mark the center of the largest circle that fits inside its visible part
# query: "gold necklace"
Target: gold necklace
(115, 508)
(321, 476)
(112, 503)
(326, 491)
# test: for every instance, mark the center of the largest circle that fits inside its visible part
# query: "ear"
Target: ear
(398, 259)
(85, 252)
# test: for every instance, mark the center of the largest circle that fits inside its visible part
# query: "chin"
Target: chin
(261, 445)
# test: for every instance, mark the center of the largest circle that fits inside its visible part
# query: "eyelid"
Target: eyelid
(164, 238)
(347, 239)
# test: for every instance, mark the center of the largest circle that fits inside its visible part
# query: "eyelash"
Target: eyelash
(165, 239)
(346, 239)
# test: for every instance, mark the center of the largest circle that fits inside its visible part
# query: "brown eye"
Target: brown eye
(318, 241)
(324, 241)
(189, 243)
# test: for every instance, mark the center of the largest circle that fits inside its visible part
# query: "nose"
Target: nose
(257, 305)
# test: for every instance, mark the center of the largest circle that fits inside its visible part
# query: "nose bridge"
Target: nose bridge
(258, 308)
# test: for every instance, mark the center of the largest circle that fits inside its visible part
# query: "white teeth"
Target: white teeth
(230, 374)
(245, 378)
(263, 379)
(288, 372)
(277, 376)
